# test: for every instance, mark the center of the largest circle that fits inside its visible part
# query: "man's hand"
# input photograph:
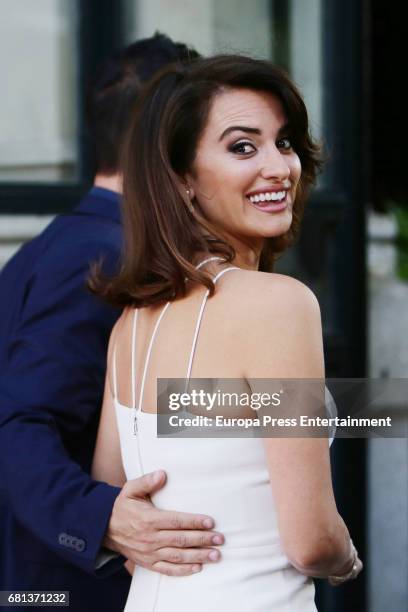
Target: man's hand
(172, 543)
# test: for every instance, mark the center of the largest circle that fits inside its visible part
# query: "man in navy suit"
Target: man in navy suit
(59, 529)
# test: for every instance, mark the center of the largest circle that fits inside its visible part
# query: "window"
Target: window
(38, 114)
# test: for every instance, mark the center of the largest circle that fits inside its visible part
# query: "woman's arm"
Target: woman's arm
(287, 343)
(107, 461)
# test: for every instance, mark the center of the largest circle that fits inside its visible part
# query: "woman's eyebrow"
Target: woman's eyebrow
(239, 128)
(249, 130)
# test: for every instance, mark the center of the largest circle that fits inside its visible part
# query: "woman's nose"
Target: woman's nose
(275, 166)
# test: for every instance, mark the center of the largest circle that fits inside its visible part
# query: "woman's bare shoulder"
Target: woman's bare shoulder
(281, 317)
(261, 291)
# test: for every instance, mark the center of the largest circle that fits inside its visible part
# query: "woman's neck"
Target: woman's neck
(248, 260)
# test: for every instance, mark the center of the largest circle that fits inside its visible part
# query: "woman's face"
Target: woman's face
(245, 173)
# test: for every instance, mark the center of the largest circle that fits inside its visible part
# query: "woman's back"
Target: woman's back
(215, 353)
(224, 477)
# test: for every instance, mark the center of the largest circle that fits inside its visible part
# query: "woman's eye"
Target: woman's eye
(284, 143)
(242, 148)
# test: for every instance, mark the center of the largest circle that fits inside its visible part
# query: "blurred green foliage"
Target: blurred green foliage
(401, 215)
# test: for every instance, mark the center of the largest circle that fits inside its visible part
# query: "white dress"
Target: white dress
(227, 479)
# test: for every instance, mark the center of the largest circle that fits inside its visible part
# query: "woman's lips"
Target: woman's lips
(270, 206)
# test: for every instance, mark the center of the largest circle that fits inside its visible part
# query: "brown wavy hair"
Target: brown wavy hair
(162, 235)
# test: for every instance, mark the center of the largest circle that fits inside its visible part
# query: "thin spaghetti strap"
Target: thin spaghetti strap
(199, 319)
(202, 263)
(138, 406)
(197, 329)
(134, 326)
(223, 272)
(149, 350)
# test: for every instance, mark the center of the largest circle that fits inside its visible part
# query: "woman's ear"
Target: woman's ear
(186, 191)
(188, 180)
(190, 192)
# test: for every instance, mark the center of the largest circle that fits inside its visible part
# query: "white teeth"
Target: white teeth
(274, 196)
(278, 195)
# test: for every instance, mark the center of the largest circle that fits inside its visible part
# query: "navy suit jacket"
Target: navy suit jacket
(53, 343)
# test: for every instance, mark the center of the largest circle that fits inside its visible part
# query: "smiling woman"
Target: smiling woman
(214, 140)
(217, 169)
(250, 169)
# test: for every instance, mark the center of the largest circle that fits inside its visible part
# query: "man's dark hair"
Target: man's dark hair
(116, 88)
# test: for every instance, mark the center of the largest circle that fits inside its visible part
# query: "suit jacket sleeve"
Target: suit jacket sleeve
(51, 394)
